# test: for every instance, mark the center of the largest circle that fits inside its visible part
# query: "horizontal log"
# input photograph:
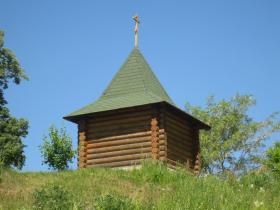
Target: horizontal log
(119, 153)
(178, 131)
(118, 142)
(117, 116)
(82, 154)
(161, 136)
(179, 124)
(118, 126)
(118, 150)
(117, 164)
(176, 163)
(161, 131)
(130, 120)
(180, 136)
(178, 153)
(178, 157)
(177, 119)
(122, 111)
(172, 162)
(170, 126)
(119, 158)
(162, 153)
(183, 149)
(182, 142)
(119, 147)
(118, 137)
(161, 142)
(179, 142)
(117, 132)
(123, 139)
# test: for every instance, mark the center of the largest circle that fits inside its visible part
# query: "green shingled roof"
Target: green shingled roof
(134, 84)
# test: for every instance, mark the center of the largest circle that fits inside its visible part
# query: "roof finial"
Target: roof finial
(136, 19)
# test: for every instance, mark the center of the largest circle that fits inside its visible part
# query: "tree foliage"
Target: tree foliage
(12, 130)
(273, 159)
(235, 139)
(57, 149)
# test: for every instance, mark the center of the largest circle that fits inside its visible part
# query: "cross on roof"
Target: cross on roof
(136, 19)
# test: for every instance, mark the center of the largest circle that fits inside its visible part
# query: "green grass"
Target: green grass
(151, 187)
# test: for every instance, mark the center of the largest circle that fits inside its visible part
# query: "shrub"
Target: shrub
(57, 149)
(52, 197)
(114, 202)
(257, 179)
(273, 159)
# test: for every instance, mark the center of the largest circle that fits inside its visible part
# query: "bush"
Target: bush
(57, 149)
(52, 197)
(273, 159)
(114, 202)
(257, 179)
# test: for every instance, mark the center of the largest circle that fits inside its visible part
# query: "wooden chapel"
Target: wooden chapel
(135, 119)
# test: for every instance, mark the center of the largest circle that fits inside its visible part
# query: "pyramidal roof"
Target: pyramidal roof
(134, 84)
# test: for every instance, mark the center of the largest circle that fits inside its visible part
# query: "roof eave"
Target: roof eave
(199, 123)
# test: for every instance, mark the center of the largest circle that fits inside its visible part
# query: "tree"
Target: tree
(12, 130)
(273, 159)
(235, 139)
(57, 149)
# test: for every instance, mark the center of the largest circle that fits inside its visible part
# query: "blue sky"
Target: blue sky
(71, 50)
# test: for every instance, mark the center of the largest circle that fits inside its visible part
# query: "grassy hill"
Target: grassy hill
(151, 187)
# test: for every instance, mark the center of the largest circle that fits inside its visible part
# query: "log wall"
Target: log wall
(182, 140)
(119, 139)
(125, 138)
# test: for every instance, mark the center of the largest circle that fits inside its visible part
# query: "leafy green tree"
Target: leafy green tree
(273, 159)
(12, 130)
(57, 149)
(235, 139)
